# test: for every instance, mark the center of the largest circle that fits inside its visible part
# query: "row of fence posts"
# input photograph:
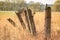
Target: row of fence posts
(30, 21)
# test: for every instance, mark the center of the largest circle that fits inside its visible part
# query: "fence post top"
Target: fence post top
(47, 7)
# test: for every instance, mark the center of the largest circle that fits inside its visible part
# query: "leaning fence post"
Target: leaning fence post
(47, 23)
(12, 22)
(20, 19)
(32, 24)
(27, 20)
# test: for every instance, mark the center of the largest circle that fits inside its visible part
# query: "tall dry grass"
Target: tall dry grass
(9, 32)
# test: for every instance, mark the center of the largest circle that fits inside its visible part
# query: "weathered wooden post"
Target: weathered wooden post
(32, 25)
(12, 22)
(47, 22)
(20, 18)
(27, 20)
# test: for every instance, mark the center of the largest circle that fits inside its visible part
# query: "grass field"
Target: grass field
(9, 32)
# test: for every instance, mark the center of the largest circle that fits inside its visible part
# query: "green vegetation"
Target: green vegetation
(14, 6)
(18, 4)
(34, 6)
(7, 6)
(2, 13)
(56, 6)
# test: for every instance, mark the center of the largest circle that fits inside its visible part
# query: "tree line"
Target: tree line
(11, 6)
(14, 6)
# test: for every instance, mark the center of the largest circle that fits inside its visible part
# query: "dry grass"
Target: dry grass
(9, 32)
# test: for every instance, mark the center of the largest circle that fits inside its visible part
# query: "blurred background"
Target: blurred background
(14, 5)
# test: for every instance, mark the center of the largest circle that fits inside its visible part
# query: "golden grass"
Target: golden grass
(9, 32)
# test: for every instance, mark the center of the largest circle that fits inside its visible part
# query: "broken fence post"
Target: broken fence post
(11, 21)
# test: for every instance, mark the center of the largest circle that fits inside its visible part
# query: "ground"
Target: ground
(9, 32)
